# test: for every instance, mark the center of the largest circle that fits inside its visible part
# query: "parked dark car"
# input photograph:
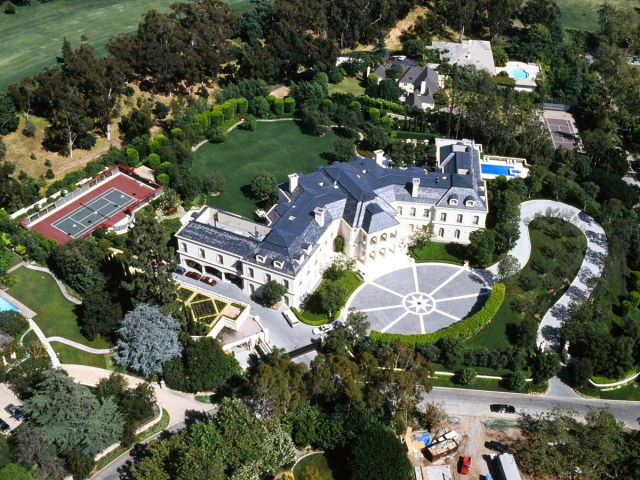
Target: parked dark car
(4, 426)
(194, 275)
(208, 281)
(497, 446)
(502, 408)
(14, 411)
(180, 270)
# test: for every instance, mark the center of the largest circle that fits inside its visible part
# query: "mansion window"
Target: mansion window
(476, 220)
(412, 212)
(201, 252)
(457, 234)
(267, 277)
(184, 247)
(441, 232)
(399, 210)
(250, 272)
(286, 283)
(219, 259)
(425, 213)
(443, 217)
(459, 218)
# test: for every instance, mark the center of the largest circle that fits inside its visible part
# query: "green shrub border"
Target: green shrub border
(462, 329)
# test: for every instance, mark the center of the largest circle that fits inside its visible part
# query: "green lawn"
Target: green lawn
(15, 259)
(55, 314)
(279, 148)
(583, 14)
(317, 460)
(313, 314)
(500, 332)
(32, 38)
(477, 384)
(348, 85)
(74, 356)
(439, 252)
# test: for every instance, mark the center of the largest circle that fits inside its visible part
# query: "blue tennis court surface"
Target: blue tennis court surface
(94, 212)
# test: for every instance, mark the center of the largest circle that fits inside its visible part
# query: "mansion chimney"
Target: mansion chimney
(319, 213)
(415, 183)
(293, 182)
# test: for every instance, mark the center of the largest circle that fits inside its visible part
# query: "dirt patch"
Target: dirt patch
(280, 92)
(392, 40)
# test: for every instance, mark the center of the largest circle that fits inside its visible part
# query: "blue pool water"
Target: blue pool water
(4, 305)
(498, 170)
(519, 73)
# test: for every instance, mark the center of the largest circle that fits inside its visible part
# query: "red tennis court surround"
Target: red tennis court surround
(59, 219)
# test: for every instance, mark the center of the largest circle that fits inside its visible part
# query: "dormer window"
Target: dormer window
(470, 203)
(453, 201)
(277, 264)
(260, 258)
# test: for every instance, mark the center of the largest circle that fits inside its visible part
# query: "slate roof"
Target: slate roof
(414, 75)
(359, 192)
(468, 52)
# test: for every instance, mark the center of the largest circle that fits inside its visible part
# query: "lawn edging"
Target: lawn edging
(462, 329)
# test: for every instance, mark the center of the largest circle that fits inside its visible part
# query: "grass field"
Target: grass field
(74, 356)
(317, 460)
(439, 252)
(14, 260)
(501, 331)
(279, 148)
(32, 38)
(583, 14)
(55, 314)
(348, 85)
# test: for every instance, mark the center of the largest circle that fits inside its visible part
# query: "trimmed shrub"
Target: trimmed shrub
(463, 329)
(163, 179)
(374, 114)
(278, 106)
(242, 106)
(338, 244)
(466, 376)
(153, 161)
(202, 118)
(289, 105)
(228, 110)
(215, 117)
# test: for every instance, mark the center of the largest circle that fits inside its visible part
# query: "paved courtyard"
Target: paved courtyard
(421, 298)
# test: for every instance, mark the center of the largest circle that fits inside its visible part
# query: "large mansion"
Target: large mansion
(375, 209)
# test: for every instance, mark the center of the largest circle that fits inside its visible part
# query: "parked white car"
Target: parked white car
(322, 329)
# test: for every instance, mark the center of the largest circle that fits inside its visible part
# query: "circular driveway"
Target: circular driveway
(422, 298)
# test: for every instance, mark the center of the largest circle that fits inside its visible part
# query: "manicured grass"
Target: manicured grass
(348, 85)
(279, 148)
(32, 38)
(477, 384)
(313, 314)
(500, 332)
(629, 392)
(479, 370)
(75, 356)
(583, 14)
(439, 252)
(4, 451)
(14, 259)
(317, 460)
(601, 380)
(55, 314)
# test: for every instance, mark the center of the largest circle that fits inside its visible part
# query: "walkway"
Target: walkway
(55, 363)
(79, 346)
(592, 265)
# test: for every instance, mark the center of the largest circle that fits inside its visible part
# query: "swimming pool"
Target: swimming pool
(4, 306)
(519, 73)
(499, 170)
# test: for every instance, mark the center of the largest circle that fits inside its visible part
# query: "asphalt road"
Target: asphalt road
(475, 403)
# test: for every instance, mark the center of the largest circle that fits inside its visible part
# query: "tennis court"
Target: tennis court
(93, 213)
(108, 200)
(562, 133)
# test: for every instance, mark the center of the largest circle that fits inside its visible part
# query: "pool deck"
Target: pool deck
(24, 310)
(525, 84)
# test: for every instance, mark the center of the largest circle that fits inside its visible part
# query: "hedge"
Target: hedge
(463, 329)
(382, 104)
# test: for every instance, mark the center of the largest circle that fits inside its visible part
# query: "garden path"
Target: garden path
(79, 346)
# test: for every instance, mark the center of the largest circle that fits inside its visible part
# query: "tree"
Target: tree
(310, 472)
(12, 471)
(314, 121)
(137, 124)
(545, 12)
(344, 336)
(8, 117)
(13, 323)
(466, 376)
(389, 90)
(377, 137)
(263, 185)
(434, 417)
(214, 183)
(331, 296)
(32, 449)
(422, 235)
(582, 372)
(147, 339)
(451, 351)
(545, 365)
(387, 461)
(278, 387)
(482, 247)
(345, 149)
(79, 464)
(69, 415)
(508, 267)
(516, 381)
(272, 292)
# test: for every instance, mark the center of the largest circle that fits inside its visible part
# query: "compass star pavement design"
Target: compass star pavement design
(421, 298)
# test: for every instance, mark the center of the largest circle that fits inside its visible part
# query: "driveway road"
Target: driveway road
(475, 403)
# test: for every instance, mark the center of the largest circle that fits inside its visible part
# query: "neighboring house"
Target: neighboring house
(419, 84)
(375, 209)
(468, 52)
